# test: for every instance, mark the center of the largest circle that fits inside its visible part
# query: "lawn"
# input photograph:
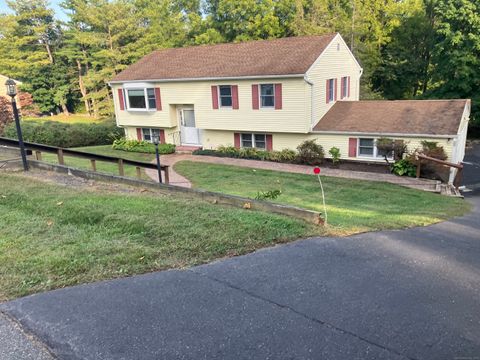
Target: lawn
(73, 118)
(103, 166)
(54, 236)
(352, 205)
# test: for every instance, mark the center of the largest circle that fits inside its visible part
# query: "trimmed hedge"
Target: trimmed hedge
(285, 155)
(66, 135)
(142, 146)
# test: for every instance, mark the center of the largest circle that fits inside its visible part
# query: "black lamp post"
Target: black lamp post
(12, 92)
(156, 141)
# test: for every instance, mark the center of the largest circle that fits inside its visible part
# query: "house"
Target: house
(274, 94)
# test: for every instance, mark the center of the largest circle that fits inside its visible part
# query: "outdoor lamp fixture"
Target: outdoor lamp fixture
(12, 92)
(156, 141)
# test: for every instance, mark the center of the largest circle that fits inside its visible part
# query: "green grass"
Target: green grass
(53, 236)
(103, 166)
(352, 205)
(73, 118)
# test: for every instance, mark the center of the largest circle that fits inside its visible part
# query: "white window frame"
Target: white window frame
(260, 97)
(331, 90)
(253, 141)
(375, 150)
(145, 94)
(151, 134)
(344, 93)
(220, 97)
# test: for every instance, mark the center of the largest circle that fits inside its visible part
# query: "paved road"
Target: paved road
(15, 344)
(412, 294)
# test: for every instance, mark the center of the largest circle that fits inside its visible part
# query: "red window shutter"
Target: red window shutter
(278, 96)
(215, 97)
(121, 100)
(255, 99)
(328, 92)
(139, 134)
(335, 91)
(352, 147)
(348, 91)
(236, 140)
(158, 99)
(269, 142)
(235, 97)
(162, 136)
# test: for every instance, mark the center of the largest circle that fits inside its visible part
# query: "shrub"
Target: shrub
(335, 154)
(404, 167)
(268, 195)
(285, 155)
(430, 169)
(310, 153)
(142, 146)
(66, 135)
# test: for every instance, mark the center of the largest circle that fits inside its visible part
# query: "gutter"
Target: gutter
(210, 79)
(383, 134)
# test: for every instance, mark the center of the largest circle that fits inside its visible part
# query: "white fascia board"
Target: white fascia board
(209, 79)
(383, 134)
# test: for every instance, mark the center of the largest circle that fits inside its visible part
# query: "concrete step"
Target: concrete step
(186, 149)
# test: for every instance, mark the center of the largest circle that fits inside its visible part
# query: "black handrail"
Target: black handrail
(80, 154)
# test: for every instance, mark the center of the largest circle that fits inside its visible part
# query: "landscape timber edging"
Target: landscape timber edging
(212, 197)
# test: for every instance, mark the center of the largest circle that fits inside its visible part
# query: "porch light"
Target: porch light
(11, 88)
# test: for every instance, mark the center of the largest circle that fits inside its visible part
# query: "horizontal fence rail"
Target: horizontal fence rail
(37, 149)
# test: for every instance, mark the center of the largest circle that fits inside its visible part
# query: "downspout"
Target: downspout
(311, 101)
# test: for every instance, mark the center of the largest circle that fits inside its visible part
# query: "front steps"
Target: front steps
(186, 149)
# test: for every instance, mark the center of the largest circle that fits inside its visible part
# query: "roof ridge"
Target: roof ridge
(246, 42)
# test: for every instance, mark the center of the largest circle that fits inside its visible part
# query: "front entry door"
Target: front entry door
(189, 133)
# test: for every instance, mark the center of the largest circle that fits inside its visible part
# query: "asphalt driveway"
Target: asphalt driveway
(411, 294)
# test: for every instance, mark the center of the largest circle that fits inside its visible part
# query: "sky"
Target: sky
(54, 3)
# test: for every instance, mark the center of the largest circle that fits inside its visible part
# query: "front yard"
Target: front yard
(54, 236)
(103, 166)
(353, 205)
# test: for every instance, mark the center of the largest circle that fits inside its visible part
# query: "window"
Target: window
(152, 102)
(331, 90)
(148, 134)
(141, 99)
(267, 96)
(225, 92)
(344, 87)
(254, 141)
(368, 148)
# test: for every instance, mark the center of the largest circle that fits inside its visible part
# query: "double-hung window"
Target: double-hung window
(267, 95)
(141, 99)
(225, 94)
(254, 141)
(148, 134)
(331, 90)
(367, 147)
(344, 87)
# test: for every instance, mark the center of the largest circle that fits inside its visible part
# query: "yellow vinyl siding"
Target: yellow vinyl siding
(213, 139)
(291, 118)
(333, 64)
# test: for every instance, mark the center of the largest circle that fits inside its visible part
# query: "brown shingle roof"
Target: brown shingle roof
(287, 56)
(428, 117)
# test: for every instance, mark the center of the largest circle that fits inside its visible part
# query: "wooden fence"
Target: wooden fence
(38, 149)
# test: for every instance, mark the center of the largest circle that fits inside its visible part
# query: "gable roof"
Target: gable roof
(286, 56)
(420, 117)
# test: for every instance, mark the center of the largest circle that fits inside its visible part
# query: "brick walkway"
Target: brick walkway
(178, 180)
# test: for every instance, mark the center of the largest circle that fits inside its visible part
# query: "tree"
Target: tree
(456, 52)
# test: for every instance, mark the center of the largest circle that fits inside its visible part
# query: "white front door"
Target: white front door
(189, 133)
